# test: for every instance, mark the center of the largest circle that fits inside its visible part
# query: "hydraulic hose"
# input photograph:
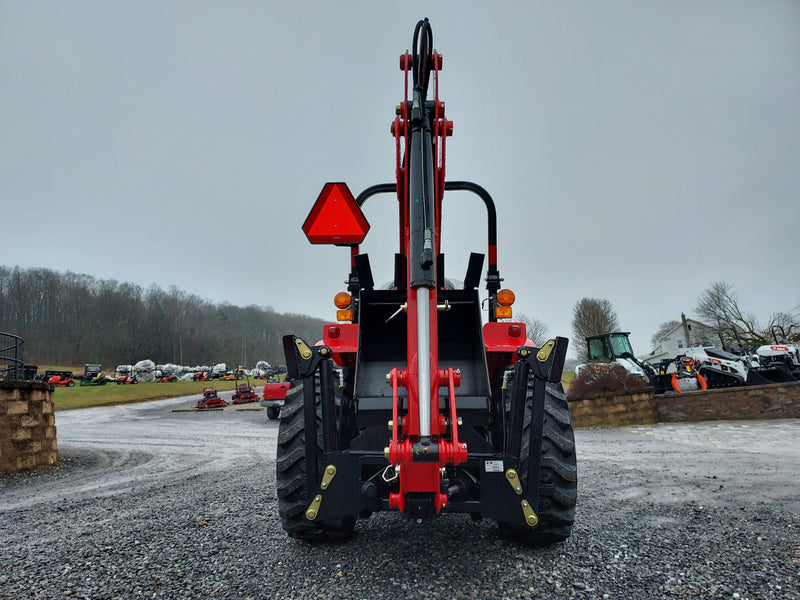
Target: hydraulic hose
(422, 58)
(421, 214)
(421, 185)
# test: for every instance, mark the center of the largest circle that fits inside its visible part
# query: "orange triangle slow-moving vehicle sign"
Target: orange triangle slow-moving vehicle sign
(335, 217)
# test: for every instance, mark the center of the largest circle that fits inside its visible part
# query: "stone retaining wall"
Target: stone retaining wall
(623, 409)
(774, 401)
(27, 426)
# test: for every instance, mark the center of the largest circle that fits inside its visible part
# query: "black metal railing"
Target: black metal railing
(12, 366)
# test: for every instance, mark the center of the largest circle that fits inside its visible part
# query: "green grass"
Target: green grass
(567, 377)
(86, 396)
(110, 394)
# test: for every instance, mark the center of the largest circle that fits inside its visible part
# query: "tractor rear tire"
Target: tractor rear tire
(294, 495)
(558, 479)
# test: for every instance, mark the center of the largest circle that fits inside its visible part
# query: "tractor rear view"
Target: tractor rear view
(411, 403)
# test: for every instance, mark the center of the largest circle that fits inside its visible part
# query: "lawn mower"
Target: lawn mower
(210, 399)
(244, 394)
(92, 375)
(60, 378)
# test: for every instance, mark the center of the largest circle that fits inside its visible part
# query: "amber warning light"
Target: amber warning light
(335, 217)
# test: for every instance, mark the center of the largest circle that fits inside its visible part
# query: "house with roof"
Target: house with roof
(684, 335)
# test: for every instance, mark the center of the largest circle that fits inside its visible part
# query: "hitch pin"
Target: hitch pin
(446, 306)
(389, 474)
(403, 307)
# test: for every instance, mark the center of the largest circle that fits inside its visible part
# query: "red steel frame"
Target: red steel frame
(422, 476)
(500, 339)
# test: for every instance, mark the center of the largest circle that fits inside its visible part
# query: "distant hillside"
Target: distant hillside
(72, 319)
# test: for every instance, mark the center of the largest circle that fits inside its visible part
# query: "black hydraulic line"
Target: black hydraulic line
(420, 164)
(422, 57)
(421, 209)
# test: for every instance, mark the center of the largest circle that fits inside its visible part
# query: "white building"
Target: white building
(687, 333)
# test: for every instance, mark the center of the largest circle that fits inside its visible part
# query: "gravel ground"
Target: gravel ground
(147, 503)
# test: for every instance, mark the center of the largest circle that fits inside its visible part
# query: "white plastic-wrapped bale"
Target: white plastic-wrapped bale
(146, 365)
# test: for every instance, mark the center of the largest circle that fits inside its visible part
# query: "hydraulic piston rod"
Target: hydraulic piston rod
(424, 361)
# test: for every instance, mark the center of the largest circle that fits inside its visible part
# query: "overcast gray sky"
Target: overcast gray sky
(636, 151)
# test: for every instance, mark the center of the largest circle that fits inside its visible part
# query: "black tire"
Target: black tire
(293, 494)
(558, 480)
(71, 383)
(273, 412)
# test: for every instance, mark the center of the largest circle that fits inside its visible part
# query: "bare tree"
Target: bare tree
(663, 330)
(719, 306)
(591, 316)
(786, 323)
(535, 329)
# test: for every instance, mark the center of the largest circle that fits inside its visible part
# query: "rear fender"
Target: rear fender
(501, 341)
(342, 339)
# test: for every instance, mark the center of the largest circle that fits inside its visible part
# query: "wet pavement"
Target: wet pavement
(716, 463)
(148, 502)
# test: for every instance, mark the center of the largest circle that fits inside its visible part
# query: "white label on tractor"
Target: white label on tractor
(494, 466)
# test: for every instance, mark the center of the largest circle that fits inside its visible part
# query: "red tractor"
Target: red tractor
(411, 403)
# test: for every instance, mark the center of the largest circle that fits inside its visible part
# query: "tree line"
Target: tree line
(72, 319)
